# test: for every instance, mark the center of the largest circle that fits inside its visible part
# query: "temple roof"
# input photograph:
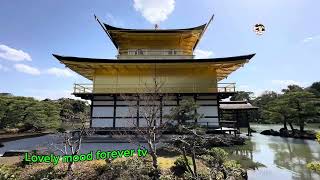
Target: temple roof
(236, 105)
(112, 28)
(185, 39)
(87, 66)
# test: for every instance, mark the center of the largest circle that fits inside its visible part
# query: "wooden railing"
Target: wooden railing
(123, 88)
(154, 52)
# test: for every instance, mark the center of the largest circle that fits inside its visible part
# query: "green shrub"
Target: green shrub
(232, 164)
(318, 137)
(202, 175)
(167, 177)
(130, 168)
(180, 166)
(8, 172)
(167, 151)
(315, 166)
(48, 173)
(219, 155)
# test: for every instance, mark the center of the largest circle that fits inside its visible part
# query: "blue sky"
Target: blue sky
(30, 31)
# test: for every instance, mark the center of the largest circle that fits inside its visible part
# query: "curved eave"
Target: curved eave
(114, 32)
(86, 66)
(112, 28)
(146, 61)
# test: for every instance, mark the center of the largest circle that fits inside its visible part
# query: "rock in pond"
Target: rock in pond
(289, 133)
(270, 132)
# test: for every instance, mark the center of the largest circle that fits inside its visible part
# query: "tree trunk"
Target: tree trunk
(153, 154)
(70, 170)
(184, 153)
(291, 126)
(301, 121)
(194, 163)
(301, 126)
(285, 124)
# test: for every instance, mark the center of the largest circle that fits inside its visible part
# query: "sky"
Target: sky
(31, 31)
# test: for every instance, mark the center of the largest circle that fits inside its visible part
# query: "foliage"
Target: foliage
(47, 173)
(29, 114)
(202, 175)
(219, 155)
(292, 88)
(167, 151)
(131, 168)
(8, 172)
(315, 166)
(314, 88)
(296, 105)
(73, 110)
(185, 112)
(232, 164)
(242, 96)
(318, 137)
(180, 166)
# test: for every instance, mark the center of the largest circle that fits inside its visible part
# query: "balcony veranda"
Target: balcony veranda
(149, 88)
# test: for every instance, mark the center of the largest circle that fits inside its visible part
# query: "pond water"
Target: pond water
(284, 158)
(53, 142)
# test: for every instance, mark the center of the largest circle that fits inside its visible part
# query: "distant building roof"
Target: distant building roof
(236, 105)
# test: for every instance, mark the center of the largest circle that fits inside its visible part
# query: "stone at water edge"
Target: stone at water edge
(284, 132)
(270, 132)
(1, 145)
(288, 133)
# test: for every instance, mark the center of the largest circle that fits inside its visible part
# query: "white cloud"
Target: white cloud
(202, 54)
(59, 72)
(53, 94)
(155, 11)
(3, 68)
(256, 91)
(113, 20)
(27, 69)
(286, 82)
(312, 38)
(12, 54)
(243, 87)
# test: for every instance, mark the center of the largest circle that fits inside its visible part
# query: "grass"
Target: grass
(10, 160)
(166, 162)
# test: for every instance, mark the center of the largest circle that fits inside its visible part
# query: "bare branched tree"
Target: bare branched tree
(72, 141)
(148, 128)
(188, 144)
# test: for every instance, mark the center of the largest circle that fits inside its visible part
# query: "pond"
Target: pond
(284, 158)
(53, 143)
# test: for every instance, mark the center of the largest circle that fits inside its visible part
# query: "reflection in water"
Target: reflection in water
(284, 158)
(246, 150)
(294, 155)
(244, 155)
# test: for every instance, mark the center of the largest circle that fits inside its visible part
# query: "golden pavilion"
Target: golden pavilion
(145, 54)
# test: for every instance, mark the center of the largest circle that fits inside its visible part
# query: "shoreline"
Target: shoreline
(17, 136)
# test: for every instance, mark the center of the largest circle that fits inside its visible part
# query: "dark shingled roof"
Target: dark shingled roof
(236, 105)
(94, 60)
(112, 28)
